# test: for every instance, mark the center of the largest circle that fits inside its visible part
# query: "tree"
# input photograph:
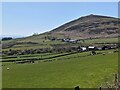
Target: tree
(6, 38)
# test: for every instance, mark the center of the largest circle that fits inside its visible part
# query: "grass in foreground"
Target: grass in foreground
(90, 71)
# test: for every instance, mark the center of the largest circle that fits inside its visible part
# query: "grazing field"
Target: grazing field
(20, 44)
(103, 40)
(81, 69)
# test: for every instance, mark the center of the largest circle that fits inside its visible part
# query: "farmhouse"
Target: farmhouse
(83, 48)
(99, 48)
(105, 47)
(91, 47)
(73, 41)
(66, 40)
(70, 40)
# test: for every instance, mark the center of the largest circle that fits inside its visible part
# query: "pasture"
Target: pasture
(80, 69)
(24, 43)
(102, 40)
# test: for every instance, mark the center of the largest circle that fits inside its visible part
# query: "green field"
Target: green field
(103, 40)
(63, 72)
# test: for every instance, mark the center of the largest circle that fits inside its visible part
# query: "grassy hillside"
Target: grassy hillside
(24, 43)
(92, 26)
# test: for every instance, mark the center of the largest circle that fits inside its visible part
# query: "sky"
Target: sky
(27, 18)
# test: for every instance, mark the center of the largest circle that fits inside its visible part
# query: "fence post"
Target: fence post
(77, 88)
(100, 88)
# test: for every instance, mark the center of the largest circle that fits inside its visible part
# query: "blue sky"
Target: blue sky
(24, 19)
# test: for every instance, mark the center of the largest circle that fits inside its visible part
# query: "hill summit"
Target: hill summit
(89, 26)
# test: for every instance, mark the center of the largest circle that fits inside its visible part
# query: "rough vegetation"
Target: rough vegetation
(90, 26)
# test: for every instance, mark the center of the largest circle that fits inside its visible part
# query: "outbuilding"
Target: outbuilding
(83, 48)
(91, 47)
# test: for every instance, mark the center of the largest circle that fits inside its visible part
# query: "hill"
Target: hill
(89, 26)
